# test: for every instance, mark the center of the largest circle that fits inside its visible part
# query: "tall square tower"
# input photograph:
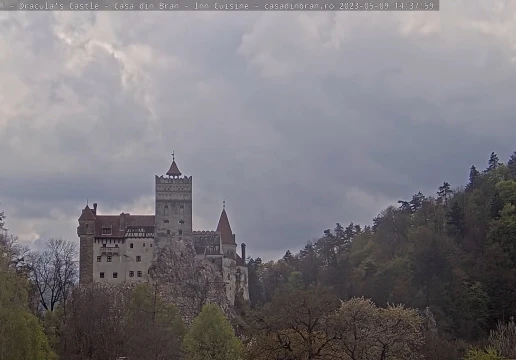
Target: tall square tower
(173, 213)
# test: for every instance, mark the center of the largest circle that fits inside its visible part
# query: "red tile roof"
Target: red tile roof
(174, 170)
(225, 229)
(113, 222)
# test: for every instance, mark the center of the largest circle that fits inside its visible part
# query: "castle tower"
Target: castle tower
(173, 219)
(86, 233)
(226, 234)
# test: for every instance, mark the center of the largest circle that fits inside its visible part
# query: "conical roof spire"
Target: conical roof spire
(224, 228)
(174, 170)
(87, 214)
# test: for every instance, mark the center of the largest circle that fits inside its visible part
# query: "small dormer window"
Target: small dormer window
(106, 231)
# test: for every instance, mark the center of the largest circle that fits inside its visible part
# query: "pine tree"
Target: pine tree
(288, 257)
(474, 176)
(456, 218)
(511, 164)
(493, 162)
(444, 192)
(417, 201)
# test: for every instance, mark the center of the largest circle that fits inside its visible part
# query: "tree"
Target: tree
(255, 286)
(211, 337)
(417, 201)
(488, 354)
(96, 324)
(369, 332)
(21, 334)
(493, 162)
(444, 192)
(503, 339)
(2, 223)
(296, 325)
(155, 329)
(511, 165)
(456, 218)
(54, 272)
(474, 176)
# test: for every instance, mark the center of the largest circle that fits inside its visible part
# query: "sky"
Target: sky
(299, 120)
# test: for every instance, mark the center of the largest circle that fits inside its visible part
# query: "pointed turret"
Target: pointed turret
(87, 214)
(224, 228)
(174, 170)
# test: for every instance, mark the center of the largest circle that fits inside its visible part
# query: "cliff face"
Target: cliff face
(186, 281)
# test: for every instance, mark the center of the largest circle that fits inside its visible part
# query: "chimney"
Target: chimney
(95, 208)
(243, 252)
(122, 221)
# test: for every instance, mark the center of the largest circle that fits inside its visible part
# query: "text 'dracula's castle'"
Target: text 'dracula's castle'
(121, 248)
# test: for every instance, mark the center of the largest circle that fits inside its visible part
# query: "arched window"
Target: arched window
(166, 210)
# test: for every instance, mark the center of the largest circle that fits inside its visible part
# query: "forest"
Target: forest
(432, 277)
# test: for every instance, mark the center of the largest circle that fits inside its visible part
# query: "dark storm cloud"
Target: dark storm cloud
(297, 120)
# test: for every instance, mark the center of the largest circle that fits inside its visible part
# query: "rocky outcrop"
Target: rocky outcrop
(186, 281)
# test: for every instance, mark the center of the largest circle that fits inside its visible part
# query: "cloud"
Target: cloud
(299, 120)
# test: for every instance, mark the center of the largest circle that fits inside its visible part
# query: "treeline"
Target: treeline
(451, 255)
(448, 258)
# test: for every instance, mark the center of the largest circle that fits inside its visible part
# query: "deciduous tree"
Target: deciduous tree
(211, 337)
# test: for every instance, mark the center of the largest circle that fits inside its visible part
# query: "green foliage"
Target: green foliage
(488, 354)
(455, 253)
(155, 327)
(211, 337)
(21, 334)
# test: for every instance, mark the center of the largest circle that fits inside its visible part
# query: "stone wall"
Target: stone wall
(186, 281)
(86, 259)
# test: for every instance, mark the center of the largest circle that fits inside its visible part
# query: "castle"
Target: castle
(122, 248)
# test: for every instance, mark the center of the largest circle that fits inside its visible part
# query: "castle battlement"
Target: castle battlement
(116, 249)
(169, 180)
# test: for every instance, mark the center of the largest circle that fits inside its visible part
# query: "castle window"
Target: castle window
(102, 275)
(99, 258)
(150, 245)
(181, 206)
(168, 231)
(165, 212)
(103, 245)
(109, 259)
(143, 244)
(138, 259)
(180, 232)
(106, 231)
(116, 245)
(86, 226)
(165, 221)
(115, 275)
(131, 273)
(181, 222)
(139, 274)
(131, 245)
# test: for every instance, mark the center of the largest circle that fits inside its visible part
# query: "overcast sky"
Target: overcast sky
(298, 120)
